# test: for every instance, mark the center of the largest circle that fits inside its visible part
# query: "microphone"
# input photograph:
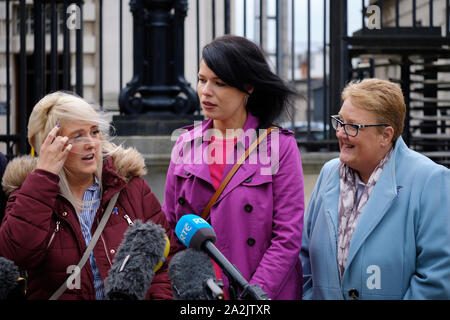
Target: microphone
(11, 283)
(140, 255)
(194, 232)
(192, 276)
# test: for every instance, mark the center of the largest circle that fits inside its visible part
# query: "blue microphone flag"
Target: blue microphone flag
(190, 227)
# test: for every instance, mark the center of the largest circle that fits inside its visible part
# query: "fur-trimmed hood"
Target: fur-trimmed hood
(128, 163)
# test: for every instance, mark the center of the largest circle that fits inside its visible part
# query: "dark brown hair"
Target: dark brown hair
(239, 63)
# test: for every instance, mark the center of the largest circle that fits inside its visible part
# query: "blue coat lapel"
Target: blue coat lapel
(331, 201)
(378, 204)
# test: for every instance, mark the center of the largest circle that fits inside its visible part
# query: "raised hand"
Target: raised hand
(54, 152)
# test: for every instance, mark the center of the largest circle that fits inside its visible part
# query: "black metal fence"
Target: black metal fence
(415, 49)
(278, 26)
(40, 72)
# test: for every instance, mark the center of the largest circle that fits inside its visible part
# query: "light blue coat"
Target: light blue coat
(400, 248)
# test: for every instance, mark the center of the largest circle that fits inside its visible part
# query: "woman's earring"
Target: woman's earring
(246, 100)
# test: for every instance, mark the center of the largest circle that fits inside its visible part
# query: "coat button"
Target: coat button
(353, 293)
(248, 208)
(64, 214)
(181, 200)
(251, 242)
(112, 251)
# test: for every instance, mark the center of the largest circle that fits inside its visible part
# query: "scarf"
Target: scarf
(350, 207)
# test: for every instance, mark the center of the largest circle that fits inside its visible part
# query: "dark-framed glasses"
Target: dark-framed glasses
(352, 129)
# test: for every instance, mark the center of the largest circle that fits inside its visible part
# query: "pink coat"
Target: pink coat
(258, 219)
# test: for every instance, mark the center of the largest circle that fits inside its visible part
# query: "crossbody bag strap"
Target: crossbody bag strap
(233, 170)
(90, 247)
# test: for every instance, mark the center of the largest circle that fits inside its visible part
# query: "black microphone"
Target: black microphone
(11, 284)
(196, 233)
(142, 252)
(192, 277)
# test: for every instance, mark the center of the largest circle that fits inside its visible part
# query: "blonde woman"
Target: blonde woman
(56, 200)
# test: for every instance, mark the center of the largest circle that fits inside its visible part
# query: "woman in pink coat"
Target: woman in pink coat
(258, 218)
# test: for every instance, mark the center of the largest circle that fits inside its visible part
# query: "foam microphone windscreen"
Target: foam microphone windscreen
(138, 256)
(9, 274)
(188, 271)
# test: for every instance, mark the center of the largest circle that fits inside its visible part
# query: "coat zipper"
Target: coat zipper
(126, 217)
(106, 250)
(130, 223)
(104, 246)
(54, 232)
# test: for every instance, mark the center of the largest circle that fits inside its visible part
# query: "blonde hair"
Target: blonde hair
(383, 98)
(61, 108)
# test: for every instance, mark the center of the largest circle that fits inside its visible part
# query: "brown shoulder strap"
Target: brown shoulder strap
(233, 171)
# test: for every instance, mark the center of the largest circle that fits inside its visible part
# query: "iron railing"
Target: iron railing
(263, 21)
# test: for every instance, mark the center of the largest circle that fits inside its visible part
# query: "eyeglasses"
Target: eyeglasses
(352, 129)
(84, 140)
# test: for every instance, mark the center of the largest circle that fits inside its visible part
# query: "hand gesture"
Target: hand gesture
(54, 152)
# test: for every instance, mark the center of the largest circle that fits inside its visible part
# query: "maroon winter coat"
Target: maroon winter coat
(41, 232)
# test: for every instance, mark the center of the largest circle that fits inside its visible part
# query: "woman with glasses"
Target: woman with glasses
(377, 225)
(56, 201)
